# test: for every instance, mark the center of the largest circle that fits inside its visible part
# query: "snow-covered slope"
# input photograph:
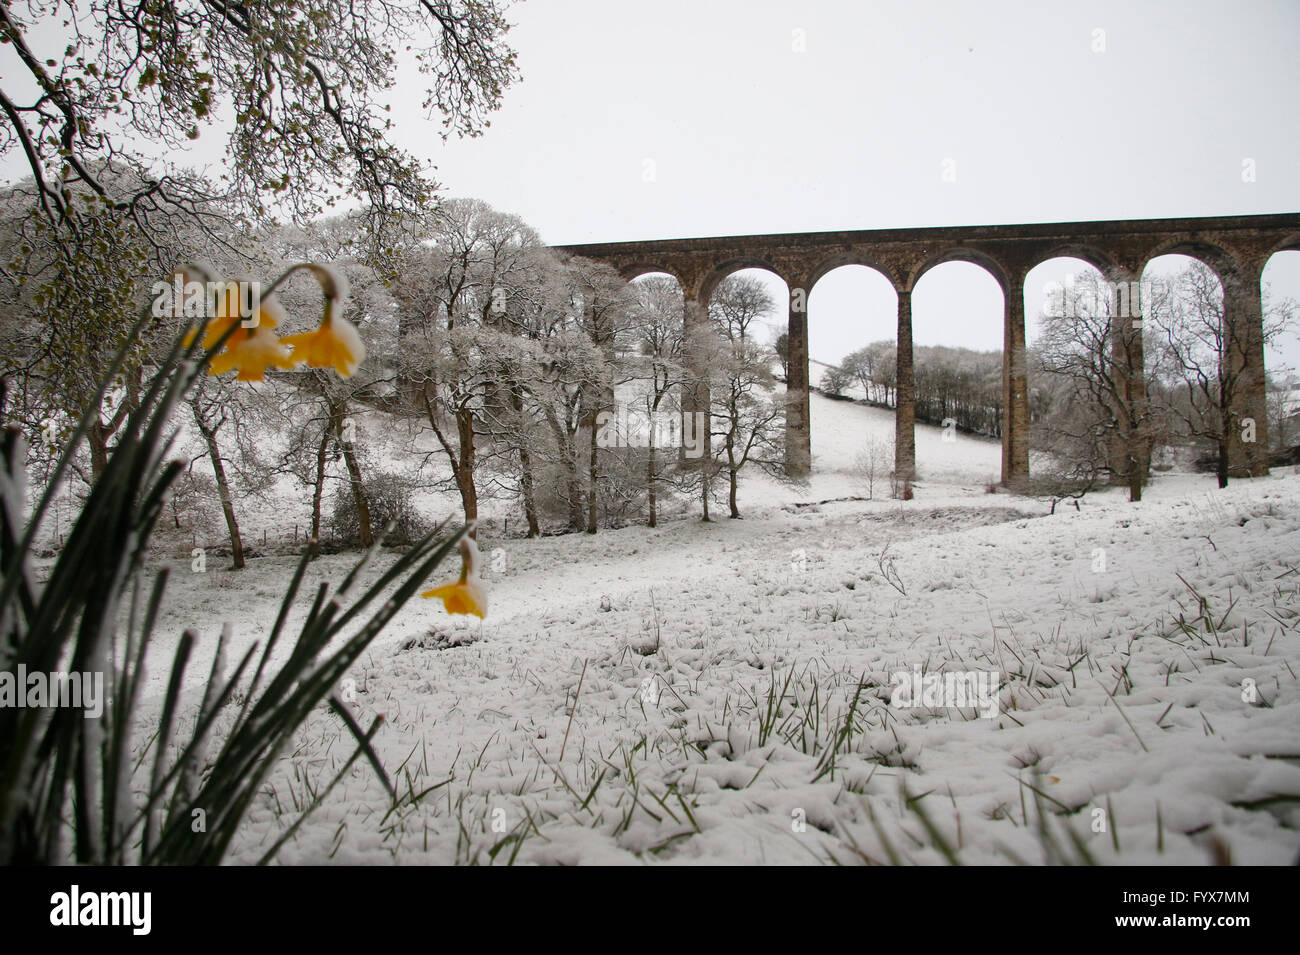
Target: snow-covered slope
(735, 657)
(840, 429)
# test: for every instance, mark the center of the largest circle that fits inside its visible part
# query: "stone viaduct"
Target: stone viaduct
(1235, 247)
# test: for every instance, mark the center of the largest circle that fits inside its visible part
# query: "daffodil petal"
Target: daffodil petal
(251, 352)
(469, 597)
(336, 344)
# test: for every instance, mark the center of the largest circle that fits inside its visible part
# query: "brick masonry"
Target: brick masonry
(1236, 247)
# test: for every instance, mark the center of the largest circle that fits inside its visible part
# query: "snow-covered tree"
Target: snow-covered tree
(656, 361)
(1097, 347)
(745, 414)
(1202, 357)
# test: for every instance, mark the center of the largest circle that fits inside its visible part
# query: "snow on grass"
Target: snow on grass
(842, 428)
(722, 693)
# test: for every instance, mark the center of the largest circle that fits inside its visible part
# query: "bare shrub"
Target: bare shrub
(875, 462)
(391, 498)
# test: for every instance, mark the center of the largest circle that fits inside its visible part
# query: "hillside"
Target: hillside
(716, 669)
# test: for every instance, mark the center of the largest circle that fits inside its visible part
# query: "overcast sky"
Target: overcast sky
(1044, 118)
(725, 117)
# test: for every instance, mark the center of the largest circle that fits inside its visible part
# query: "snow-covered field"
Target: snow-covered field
(722, 693)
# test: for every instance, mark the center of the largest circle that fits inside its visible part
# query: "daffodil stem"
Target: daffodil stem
(309, 266)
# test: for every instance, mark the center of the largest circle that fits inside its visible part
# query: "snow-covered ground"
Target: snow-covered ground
(704, 693)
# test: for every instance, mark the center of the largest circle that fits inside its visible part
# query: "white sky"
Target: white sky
(745, 133)
(749, 136)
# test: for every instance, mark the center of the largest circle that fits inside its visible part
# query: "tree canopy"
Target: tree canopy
(299, 87)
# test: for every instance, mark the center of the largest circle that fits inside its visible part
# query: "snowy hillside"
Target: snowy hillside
(842, 428)
(735, 682)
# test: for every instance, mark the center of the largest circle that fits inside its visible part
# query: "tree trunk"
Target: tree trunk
(575, 494)
(97, 437)
(1223, 461)
(223, 489)
(572, 478)
(318, 489)
(462, 458)
(650, 481)
(468, 496)
(592, 479)
(365, 533)
(1136, 477)
(525, 467)
(733, 469)
(568, 452)
(530, 493)
(704, 489)
(1134, 481)
(465, 467)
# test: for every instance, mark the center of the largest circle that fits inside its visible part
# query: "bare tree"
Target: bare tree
(321, 409)
(605, 303)
(1203, 357)
(453, 296)
(781, 346)
(302, 84)
(1097, 347)
(737, 303)
(657, 363)
(750, 421)
(874, 367)
(835, 380)
(71, 299)
(874, 461)
(1281, 409)
(210, 408)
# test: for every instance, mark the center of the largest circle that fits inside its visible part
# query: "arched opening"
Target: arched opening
(1057, 285)
(763, 314)
(957, 337)
(852, 334)
(1281, 293)
(1196, 380)
(632, 273)
(647, 434)
(1072, 330)
(640, 274)
(746, 309)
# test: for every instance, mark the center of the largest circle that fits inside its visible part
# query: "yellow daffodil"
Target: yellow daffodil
(228, 310)
(251, 351)
(335, 344)
(461, 597)
(466, 595)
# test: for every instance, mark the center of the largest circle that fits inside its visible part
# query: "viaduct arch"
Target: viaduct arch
(1236, 247)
